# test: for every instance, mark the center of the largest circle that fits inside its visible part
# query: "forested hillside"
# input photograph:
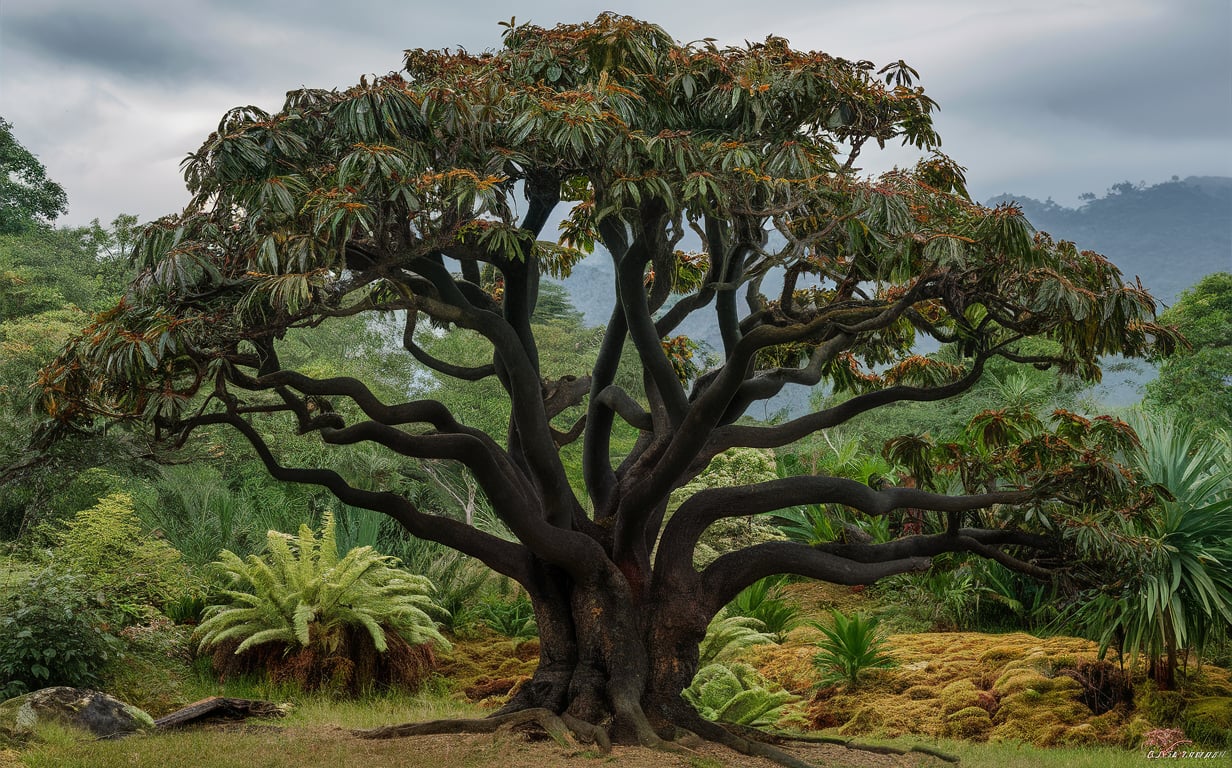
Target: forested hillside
(1171, 234)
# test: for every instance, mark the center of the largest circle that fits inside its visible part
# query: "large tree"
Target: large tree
(28, 199)
(426, 192)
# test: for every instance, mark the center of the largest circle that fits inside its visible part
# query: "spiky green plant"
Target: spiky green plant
(762, 600)
(848, 648)
(1182, 594)
(512, 618)
(303, 594)
(736, 693)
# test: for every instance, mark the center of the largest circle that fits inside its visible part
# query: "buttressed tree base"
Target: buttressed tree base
(426, 192)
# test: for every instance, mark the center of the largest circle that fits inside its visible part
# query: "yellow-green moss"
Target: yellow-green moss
(1000, 654)
(474, 665)
(1208, 720)
(1160, 707)
(1013, 679)
(917, 692)
(1042, 717)
(968, 723)
(866, 718)
(1018, 680)
(959, 695)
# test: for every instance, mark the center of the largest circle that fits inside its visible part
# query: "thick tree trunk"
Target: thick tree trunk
(610, 660)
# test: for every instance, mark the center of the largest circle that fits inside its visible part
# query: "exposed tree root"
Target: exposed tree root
(876, 748)
(567, 730)
(588, 733)
(754, 742)
(555, 726)
(751, 747)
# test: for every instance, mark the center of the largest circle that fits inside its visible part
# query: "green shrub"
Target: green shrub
(301, 613)
(130, 570)
(851, 646)
(736, 693)
(1178, 595)
(459, 581)
(50, 634)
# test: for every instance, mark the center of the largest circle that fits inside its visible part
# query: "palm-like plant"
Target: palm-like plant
(762, 600)
(851, 646)
(302, 595)
(1184, 590)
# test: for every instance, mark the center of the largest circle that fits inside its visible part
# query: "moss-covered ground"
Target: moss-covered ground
(1002, 688)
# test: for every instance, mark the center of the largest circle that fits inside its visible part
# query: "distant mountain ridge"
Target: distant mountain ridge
(1171, 234)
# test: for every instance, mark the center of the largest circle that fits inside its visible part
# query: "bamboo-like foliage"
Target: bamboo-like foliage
(302, 593)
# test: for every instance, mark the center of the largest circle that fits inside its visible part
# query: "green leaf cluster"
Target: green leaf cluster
(1196, 383)
(1181, 595)
(51, 634)
(763, 600)
(736, 693)
(28, 199)
(726, 635)
(302, 593)
(512, 618)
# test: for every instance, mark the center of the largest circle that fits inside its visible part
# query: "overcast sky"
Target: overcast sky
(1039, 97)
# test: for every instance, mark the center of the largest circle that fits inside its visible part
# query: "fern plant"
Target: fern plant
(727, 634)
(848, 648)
(301, 596)
(736, 693)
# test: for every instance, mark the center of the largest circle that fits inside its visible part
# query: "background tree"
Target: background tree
(1196, 383)
(50, 280)
(27, 197)
(425, 192)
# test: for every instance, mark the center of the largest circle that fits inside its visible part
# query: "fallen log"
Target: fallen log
(220, 708)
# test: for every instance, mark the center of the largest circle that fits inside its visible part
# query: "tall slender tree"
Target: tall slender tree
(428, 191)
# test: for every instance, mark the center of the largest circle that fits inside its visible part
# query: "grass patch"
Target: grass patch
(315, 733)
(1017, 755)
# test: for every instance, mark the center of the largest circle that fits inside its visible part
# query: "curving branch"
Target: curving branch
(465, 373)
(800, 427)
(502, 556)
(705, 507)
(634, 303)
(723, 579)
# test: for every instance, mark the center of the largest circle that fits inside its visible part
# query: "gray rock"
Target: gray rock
(99, 714)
